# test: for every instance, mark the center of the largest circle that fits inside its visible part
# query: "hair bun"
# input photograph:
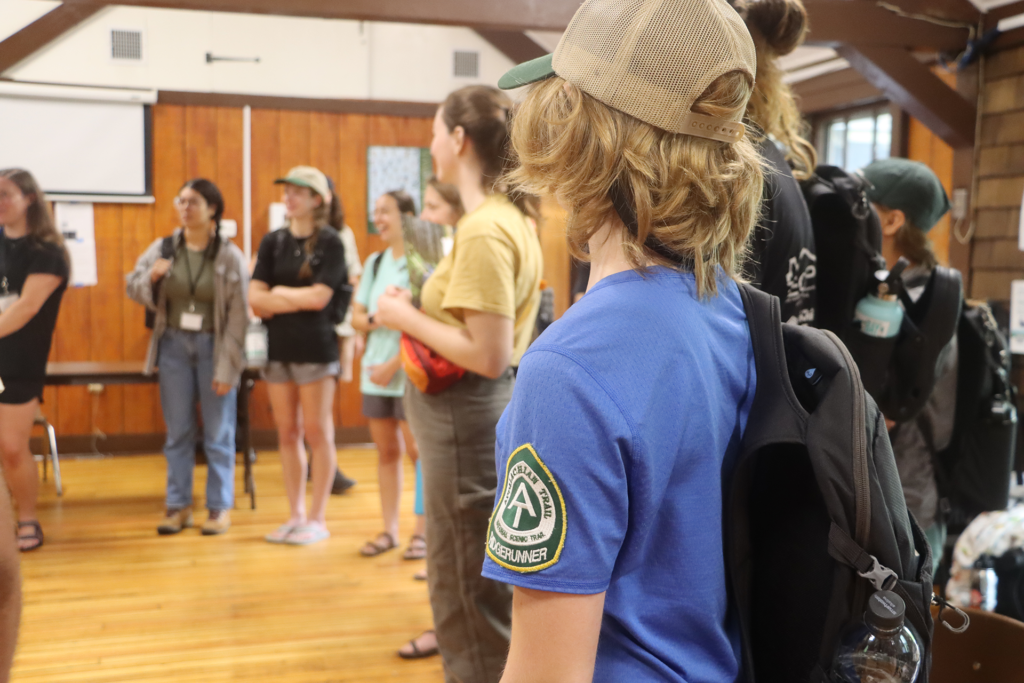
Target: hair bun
(781, 23)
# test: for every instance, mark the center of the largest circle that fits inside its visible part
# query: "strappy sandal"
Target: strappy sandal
(417, 653)
(375, 547)
(417, 549)
(36, 535)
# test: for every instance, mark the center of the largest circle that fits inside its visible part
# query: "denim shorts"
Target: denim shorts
(278, 372)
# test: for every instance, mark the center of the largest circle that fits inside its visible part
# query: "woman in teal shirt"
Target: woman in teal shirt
(383, 382)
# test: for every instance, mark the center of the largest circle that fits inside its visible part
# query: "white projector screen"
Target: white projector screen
(76, 147)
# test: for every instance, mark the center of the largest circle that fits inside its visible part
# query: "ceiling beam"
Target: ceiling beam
(913, 87)
(515, 45)
(832, 21)
(507, 15)
(949, 10)
(865, 23)
(43, 31)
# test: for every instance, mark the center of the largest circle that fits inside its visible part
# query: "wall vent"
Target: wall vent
(125, 45)
(466, 64)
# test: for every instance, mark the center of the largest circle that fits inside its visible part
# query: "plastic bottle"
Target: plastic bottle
(985, 584)
(256, 343)
(881, 648)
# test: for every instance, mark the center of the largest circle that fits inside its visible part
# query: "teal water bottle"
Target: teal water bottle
(880, 314)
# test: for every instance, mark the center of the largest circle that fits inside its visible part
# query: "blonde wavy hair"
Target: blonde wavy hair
(778, 27)
(699, 198)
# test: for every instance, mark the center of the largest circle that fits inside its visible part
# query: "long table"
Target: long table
(130, 372)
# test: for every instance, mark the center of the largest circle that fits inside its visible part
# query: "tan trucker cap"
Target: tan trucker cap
(650, 59)
(307, 176)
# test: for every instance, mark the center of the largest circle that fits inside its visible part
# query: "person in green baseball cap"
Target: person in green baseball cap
(910, 200)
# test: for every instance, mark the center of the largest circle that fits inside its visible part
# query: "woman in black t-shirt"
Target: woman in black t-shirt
(297, 271)
(34, 270)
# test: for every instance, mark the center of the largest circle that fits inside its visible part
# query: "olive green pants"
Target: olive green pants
(455, 432)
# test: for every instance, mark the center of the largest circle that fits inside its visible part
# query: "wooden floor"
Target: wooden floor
(107, 599)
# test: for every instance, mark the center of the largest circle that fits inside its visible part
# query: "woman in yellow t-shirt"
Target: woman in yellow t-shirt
(479, 311)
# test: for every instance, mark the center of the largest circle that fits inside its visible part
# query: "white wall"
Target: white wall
(17, 14)
(414, 61)
(299, 57)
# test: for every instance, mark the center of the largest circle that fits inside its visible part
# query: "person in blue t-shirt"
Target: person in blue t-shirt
(382, 380)
(627, 411)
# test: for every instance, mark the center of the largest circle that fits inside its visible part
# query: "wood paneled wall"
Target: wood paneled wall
(101, 324)
(928, 148)
(996, 259)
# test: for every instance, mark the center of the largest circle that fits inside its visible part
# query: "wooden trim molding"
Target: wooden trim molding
(44, 31)
(383, 107)
(147, 444)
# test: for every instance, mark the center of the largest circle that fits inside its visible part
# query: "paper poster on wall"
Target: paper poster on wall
(75, 222)
(278, 216)
(396, 168)
(1017, 316)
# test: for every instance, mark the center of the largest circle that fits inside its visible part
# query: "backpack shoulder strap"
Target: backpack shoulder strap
(376, 264)
(167, 247)
(775, 403)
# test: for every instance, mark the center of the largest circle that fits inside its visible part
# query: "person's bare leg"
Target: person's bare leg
(20, 469)
(317, 400)
(10, 587)
(414, 454)
(384, 433)
(284, 402)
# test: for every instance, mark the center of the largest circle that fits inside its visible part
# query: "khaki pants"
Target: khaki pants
(455, 431)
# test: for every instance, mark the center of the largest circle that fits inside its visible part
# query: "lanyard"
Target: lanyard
(192, 284)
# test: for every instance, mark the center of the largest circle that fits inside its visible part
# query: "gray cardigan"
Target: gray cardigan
(231, 307)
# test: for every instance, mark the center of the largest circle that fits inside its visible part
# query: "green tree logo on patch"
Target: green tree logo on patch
(527, 529)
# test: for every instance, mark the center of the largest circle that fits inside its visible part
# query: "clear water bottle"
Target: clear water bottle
(256, 344)
(985, 584)
(881, 648)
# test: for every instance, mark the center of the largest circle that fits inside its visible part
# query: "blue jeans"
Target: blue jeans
(186, 375)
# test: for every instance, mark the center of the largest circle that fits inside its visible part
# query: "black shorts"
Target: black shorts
(18, 391)
(383, 407)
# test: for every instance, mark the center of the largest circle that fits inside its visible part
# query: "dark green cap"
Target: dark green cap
(909, 186)
(528, 72)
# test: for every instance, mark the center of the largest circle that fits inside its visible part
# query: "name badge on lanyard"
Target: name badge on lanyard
(191, 322)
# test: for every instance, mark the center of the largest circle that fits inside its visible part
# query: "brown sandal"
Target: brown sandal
(417, 549)
(36, 535)
(417, 653)
(376, 547)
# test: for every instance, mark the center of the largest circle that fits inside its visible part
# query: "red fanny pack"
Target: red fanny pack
(428, 371)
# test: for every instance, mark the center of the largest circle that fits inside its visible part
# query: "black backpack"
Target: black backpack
(342, 298)
(973, 473)
(848, 242)
(166, 252)
(900, 372)
(815, 519)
